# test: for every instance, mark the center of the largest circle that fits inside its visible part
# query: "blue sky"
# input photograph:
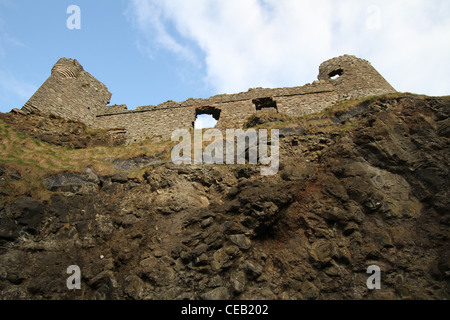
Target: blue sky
(151, 51)
(34, 35)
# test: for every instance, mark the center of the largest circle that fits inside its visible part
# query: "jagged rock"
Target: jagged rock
(299, 172)
(238, 281)
(373, 195)
(309, 291)
(322, 252)
(61, 132)
(350, 228)
(73, 183)
(15, 176)
(120, 177)
(8, 228)
(207, 222)
(134, 287)
(222, 258)
(253, 269)
(217, 294)
(136, 163)
(28, 213)
(241, 241)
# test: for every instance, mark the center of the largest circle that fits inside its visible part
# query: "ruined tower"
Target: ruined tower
(70, 93)
(353, 77)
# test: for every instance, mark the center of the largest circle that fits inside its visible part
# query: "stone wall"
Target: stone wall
(142, 125)
(232, 110)
(72, 93)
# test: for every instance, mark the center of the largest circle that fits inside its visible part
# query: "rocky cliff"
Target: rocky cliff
(360, 184)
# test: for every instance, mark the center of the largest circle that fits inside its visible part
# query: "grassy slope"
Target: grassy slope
(35, 160)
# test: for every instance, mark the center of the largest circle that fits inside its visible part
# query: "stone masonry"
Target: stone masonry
(73, 94)
(70, 93)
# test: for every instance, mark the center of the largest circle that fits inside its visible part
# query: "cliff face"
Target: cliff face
(364, 186)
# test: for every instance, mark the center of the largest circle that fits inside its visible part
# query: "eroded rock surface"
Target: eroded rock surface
(376, 195)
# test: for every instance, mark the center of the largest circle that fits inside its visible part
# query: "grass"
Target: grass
(348, 127)
(321, 122)
(35, 160)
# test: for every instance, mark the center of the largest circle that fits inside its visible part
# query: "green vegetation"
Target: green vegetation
(34, 160)
(321, 122)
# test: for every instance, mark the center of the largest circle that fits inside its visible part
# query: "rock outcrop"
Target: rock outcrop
(61, 132)
(370, 189)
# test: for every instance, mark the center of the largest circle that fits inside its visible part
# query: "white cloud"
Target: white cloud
(149, 17)
(273, 43)
(10, 84)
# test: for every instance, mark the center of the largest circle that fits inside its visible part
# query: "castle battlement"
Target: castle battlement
(72, 93)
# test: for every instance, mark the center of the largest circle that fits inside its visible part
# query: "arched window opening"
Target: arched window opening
(336, 74)
(206, 117)
(265, 104)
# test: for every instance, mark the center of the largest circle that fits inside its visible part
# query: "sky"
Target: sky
(149, 51)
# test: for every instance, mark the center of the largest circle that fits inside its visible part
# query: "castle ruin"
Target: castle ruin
(73, 94)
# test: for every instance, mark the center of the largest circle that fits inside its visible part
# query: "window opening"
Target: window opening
(336, 74)
(206, 117)
(265, 103)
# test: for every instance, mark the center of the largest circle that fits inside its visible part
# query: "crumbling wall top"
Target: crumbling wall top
(353, 77)
(67, 68)
(70, 93)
